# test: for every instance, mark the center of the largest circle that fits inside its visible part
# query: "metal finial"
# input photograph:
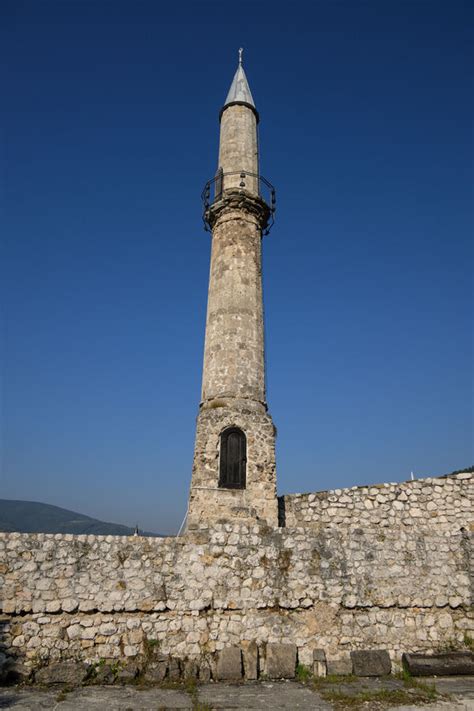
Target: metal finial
(241, 51)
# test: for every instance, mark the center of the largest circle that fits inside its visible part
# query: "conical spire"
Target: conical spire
(240, 90)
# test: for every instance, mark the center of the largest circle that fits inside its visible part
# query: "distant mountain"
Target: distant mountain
(34, 517)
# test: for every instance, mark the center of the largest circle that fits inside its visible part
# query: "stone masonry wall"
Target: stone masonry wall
(356, 585)
(445, 503)
(207, 501)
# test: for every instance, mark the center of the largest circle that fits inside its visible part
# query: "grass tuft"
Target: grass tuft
(303, 673)
(334, 679)
(414, 693)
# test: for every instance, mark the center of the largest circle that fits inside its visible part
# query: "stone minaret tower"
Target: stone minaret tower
(234, 457)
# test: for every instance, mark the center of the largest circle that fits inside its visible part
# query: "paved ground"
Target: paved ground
(290, 696)
(457, 685)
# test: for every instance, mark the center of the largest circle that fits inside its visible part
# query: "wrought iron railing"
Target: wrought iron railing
(245, 180)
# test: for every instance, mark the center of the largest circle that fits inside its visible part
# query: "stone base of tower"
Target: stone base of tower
(257, 502)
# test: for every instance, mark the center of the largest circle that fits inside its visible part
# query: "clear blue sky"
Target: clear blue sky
(111, 128)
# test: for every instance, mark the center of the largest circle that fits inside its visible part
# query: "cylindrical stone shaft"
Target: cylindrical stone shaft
(238, 147)
(234, 347)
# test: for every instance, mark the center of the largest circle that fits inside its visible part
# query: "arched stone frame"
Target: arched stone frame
(232, 458)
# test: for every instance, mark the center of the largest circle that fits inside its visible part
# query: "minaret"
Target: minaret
(234, 458)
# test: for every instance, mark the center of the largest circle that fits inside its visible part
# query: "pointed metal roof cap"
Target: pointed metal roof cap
(239, 92)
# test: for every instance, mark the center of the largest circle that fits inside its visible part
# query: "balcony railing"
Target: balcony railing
(243, 180)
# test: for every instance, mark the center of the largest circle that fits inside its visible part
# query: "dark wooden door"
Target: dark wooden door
(233, 459)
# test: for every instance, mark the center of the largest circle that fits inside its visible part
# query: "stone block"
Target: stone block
(339, 667)
(72, 673)
(190, 669)
(13, 671)
(128, 672)
(374, 662)
(441, 664)
(305, 656)
(156, 669)
(212, 661)
(174, 669)
(281, 661)
(319, 662)
(229, 664)
(204, 671)
(104, 674)
(250, 658)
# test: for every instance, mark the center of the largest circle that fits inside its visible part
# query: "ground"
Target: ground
(366, 694)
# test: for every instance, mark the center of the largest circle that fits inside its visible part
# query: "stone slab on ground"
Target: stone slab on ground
(442, 664)
(462, 686)
(204, 672)
(262, 695)
(229, 664)
(319, 663)
(156, 671)
(339, 667)
(374, 662)
(281, 661)
(287, 696)
(95, 698)
(250, 659)
(62, 673)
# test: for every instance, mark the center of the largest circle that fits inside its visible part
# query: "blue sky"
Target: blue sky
(110, 113)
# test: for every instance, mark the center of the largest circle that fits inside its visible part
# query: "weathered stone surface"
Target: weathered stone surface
(190, 669)
(339, 667)
(251, 697)
(436, 503)
(262, 697)
(4, 664)
(250, 659)
(229, 664)
(104, 674)
(319, 663)
(62, 673)
(155, 670)
(440, 664)
(174, 669)
(128, 672)
(235, 312)
(204, 672)
(371, 662)
(233, 383)
(13, 671)
(209, 503)
(281, 661)
(359, 584)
